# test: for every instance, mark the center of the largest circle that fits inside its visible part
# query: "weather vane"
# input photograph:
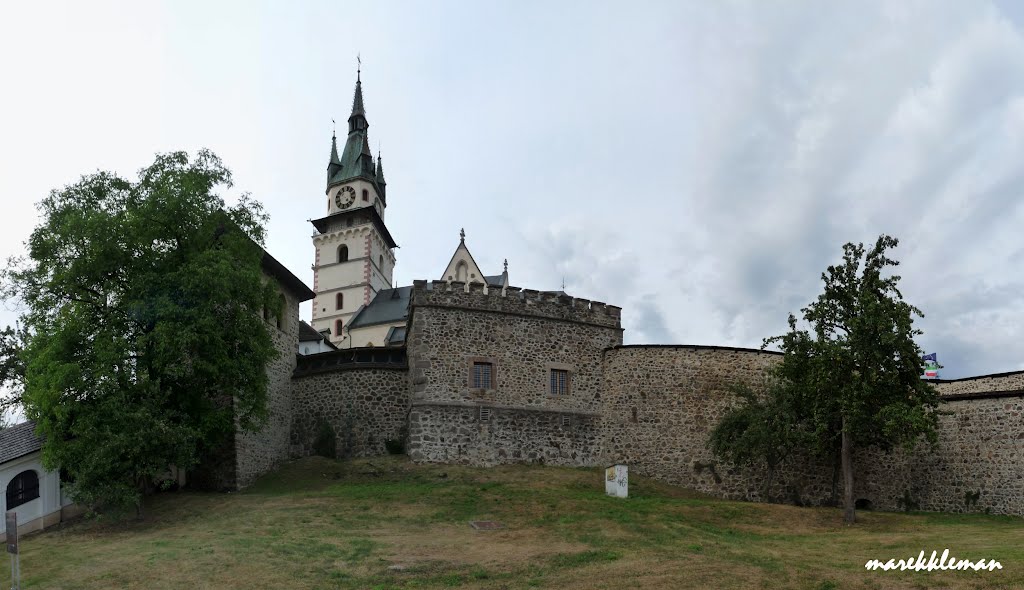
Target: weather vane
(359, 66)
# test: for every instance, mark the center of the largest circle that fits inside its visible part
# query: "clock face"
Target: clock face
(345, 197)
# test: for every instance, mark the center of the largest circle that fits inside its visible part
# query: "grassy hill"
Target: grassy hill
(386, 523)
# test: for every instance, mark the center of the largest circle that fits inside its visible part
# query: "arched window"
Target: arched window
(380, 262)
(337, 328)
(23, 488)
(339, 301)
(461, 270)
(366, 195)
(343, 253)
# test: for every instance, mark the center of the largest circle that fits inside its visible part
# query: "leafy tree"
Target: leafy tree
(854, 378)
(143, 344)
(12, 371)
(760, 431)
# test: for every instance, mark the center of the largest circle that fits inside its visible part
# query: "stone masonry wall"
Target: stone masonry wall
(986, 383)
(259, 452)
(980, 452)
(364, 405)
(524, 334)
(455, 433)
(661, 402)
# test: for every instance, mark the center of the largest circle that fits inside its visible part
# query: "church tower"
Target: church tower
(354, 257)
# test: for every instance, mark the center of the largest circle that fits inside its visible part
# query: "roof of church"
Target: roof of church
(390, 305)
(18, 441)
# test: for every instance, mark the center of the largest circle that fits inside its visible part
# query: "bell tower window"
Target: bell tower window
(339, 301)
(343, 253)
(366, 195)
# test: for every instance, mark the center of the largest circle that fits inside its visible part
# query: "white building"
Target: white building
(32, 492)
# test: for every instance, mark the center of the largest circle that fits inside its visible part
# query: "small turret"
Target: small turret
(380, 175)
(334, 165)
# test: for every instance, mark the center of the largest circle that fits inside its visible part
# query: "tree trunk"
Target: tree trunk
(849, 514)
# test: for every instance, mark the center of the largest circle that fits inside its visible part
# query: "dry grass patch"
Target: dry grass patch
(387, 523)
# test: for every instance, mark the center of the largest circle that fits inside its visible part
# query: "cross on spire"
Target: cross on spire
(462, 236)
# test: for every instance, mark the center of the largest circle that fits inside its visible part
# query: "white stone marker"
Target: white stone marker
(616, 481)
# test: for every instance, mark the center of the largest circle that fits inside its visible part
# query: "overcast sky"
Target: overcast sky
(697, 163)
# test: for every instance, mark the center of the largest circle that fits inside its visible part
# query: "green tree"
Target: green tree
(143, 345)
(852, 380)
(761, 431)
(12, 372)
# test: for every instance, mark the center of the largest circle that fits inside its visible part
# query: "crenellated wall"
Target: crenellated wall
(524, 335)
(651, 407)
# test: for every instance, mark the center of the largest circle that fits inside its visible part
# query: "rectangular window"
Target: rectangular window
(559, 382)
(482, 373)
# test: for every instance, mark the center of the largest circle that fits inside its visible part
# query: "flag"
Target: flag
(931, 365)
(931, 357)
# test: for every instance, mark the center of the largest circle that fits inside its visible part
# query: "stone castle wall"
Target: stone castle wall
(980, 452)
(365, 404)
(259, 452)
(651, 407)
(1013, 381)
(661, 403)
(524, 335)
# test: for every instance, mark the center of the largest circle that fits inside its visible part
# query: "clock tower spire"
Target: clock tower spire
(354, 257)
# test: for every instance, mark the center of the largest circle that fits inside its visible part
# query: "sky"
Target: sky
(698, 164)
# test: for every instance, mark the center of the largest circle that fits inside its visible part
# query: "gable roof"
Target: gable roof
(388, 307)
(308, 333)
(18, 441)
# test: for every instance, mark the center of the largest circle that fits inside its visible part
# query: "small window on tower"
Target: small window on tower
(380, 261)
(339, 301)
(337, 329)
(343, 253)
(366, 195)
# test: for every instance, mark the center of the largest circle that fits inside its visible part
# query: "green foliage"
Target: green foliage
(761, 431)
(859, 365)
(971, 498)
(908, 503)
(855, 374)
(326, 442)
(12, 370)
(143, 345)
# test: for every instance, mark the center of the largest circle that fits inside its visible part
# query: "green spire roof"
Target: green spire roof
(356, 160)
(334, 150)
(380, 170)
(357, 100)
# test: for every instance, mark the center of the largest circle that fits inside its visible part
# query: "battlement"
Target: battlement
(513, 300)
